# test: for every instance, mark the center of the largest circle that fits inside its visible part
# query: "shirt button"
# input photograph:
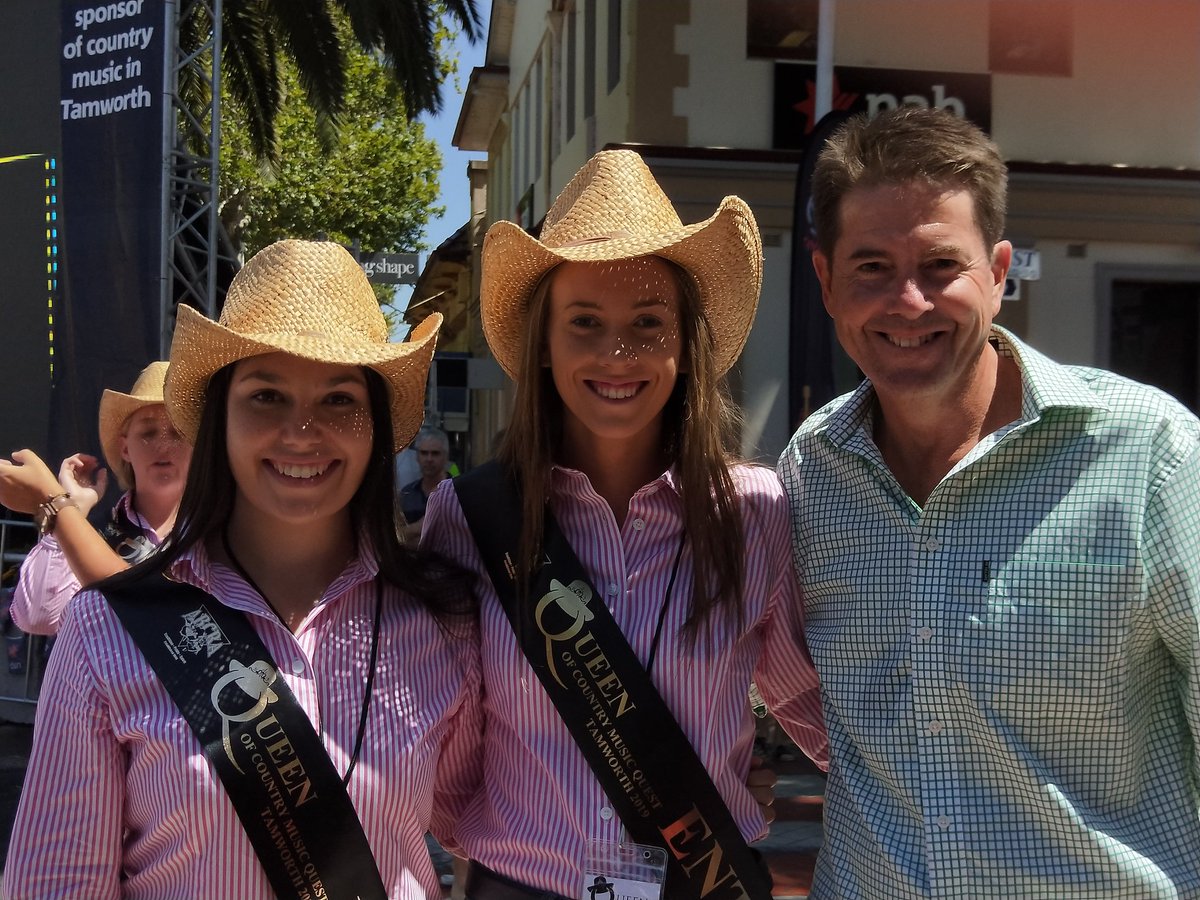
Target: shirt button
(935, 727)
(297, 666)
(613, 590)
(925, 633)
(639, 524)
(943, 822)
(932, 544)
(606, 813)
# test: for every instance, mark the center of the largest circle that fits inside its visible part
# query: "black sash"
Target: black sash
(627, 734)
(288, 795)
(125, 538)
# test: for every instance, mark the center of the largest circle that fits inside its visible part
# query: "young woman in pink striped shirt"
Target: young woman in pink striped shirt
(617, 326)
(295, 402)
(150, 460)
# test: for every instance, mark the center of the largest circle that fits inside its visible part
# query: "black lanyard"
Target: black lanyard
(366, 704)
(662, 613)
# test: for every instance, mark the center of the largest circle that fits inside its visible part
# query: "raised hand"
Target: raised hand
(84, 479)
(26, 481)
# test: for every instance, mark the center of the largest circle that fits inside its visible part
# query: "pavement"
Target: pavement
(790, 850)
(14, 755)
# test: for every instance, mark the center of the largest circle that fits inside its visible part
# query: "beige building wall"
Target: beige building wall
(1133, 96)
(1132, 99)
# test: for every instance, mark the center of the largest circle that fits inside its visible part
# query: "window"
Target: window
(1030, 37)
(571, 67)
(514, 145)
(525, 139)
(589, 58)
(537, 117)
(450, 375)
(614, 44)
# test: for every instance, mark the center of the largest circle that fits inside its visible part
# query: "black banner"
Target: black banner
(287, 793)
(29, 170)
(810, 340)
(110, 110)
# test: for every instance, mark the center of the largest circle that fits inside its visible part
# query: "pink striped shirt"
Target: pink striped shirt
(540, 802)
(47, 584)
(119, 800)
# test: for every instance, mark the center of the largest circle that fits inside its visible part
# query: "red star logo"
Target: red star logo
(808, 106)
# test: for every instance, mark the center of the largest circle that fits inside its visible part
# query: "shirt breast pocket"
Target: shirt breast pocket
(1050, 637)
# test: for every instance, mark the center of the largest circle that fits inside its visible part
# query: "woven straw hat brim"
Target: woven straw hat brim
(723, 254)
(200, 347)
(116, 407)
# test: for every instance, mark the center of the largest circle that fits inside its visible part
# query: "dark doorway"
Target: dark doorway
(1155, 326)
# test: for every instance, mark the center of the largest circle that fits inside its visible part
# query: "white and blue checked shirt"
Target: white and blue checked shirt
(1011, 674)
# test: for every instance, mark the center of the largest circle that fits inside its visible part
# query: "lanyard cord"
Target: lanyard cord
(662, 613)
(366, 704)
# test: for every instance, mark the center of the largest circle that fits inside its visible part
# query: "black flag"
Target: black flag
(811, 338)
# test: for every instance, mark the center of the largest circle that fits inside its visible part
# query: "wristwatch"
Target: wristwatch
(47, 512)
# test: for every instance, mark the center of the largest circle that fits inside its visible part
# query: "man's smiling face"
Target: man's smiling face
(912, 287)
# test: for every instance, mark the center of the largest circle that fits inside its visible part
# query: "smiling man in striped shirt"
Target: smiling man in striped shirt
(1000, 558)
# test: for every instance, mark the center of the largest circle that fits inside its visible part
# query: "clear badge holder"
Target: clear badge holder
(623, 871)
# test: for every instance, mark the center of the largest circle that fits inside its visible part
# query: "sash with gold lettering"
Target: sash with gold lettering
(288, 795)
(623, 728)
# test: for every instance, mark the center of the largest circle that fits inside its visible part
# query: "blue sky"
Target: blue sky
(455, 195)
(441, 128)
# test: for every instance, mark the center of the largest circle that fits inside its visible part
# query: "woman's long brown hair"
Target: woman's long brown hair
(699, 426)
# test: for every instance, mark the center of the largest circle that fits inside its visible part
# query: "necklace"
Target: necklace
(370, 686)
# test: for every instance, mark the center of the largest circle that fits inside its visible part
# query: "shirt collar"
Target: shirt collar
(124, 507)
(197, 568)
(1045, 385)
(572, 482)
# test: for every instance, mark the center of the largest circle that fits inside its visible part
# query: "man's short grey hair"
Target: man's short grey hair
(432, 431)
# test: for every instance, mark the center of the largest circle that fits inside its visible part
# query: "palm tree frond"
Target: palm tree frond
(307, 31)
(252, 74)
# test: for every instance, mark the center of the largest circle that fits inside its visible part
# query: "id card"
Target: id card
(613, 871)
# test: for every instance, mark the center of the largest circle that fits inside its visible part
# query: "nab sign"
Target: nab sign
(390, 268)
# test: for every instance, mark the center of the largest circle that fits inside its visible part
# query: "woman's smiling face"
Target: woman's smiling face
(299, 436)
(614, 346)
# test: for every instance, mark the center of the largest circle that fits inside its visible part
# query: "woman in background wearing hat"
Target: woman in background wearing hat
(618, 327)
(295, 403)
(150, 460)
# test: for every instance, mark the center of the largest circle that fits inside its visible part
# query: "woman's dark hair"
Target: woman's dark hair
(207, 503)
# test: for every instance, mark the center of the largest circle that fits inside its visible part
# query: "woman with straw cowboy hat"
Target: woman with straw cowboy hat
(293, 707)
(617, 326)
(150, 460)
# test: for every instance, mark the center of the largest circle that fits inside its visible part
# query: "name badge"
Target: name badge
(623, 871)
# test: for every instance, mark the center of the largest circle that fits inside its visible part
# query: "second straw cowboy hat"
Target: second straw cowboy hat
(308, 299)
(116, 407)
(613, 209)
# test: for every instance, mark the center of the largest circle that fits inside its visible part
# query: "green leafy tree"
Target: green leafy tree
(376, 184)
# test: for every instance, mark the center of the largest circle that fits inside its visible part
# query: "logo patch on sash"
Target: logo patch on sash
(200, 632)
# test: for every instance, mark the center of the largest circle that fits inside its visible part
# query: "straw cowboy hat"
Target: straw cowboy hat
(115, 410)
(308, 299)
(613, 209)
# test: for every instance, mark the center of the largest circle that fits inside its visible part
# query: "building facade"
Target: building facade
(1094, 103)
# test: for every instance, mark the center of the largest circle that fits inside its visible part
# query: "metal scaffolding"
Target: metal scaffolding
(193, 241)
